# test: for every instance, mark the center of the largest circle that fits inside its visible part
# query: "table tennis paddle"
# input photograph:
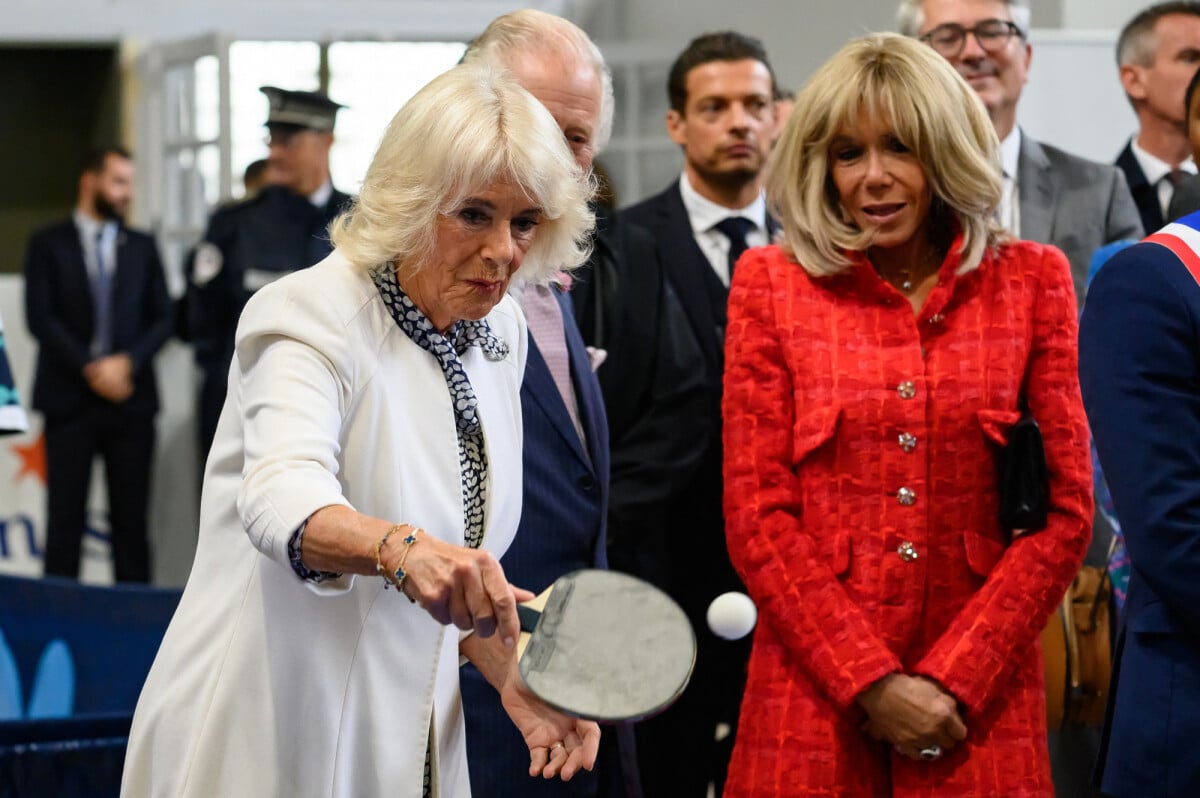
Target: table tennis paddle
(605, 646)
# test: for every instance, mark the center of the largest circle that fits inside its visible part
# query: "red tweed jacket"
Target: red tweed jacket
(861, 455)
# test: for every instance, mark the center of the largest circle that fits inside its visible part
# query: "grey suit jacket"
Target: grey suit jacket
(1074, 204)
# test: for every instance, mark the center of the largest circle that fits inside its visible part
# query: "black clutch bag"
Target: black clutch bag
(1024, 479)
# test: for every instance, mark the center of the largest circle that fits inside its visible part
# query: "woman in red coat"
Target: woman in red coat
(875, 362)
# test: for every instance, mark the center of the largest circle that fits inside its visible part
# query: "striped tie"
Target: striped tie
(545, 318)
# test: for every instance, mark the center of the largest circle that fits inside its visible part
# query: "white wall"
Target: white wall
(799, 36)
(1100, 14)
(1087, 115)
(108, 20)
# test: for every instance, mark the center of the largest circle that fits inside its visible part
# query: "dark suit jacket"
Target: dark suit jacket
(1140, 375)
(59, 312)
(652, 379)
(1073, 203)
(562, 529)
(702, 566)
(1185, 200)
(247, 243)
(689, 273)
(1144, 194)
(272, 234)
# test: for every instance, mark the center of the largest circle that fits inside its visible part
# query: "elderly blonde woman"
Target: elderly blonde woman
(875, 362)
(365, 477)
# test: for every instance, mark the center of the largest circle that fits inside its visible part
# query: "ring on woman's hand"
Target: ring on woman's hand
(563, 747)
(931, 753)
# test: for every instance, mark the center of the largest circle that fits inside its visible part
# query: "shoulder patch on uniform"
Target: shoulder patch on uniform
(207, 263)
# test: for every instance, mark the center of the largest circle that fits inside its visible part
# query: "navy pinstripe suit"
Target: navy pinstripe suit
(562, 529)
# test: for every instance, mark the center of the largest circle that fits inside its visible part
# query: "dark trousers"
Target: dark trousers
(126, 443)
(678, 754)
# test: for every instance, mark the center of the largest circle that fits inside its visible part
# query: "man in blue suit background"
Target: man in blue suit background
(1139, 367)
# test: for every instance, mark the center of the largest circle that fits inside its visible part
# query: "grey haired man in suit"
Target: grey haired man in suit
(607, 439)
(1050, 196)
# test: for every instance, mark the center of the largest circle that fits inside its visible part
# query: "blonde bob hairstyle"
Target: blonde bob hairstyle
(926, 104)
(468, 129)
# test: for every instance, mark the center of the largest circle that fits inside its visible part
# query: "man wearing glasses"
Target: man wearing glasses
(1050, 196)
(251, 243)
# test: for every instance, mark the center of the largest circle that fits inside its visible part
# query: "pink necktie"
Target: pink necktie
(545, 318)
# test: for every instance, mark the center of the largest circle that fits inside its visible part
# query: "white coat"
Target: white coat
(266, 685)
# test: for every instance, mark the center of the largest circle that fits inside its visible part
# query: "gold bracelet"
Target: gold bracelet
(396, 578)
(387, 576)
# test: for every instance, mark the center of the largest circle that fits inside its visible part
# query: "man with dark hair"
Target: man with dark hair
(1158, 52)
(722, 115)
(251, 243)
(96, 301)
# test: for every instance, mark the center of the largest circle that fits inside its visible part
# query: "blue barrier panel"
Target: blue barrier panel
(72, 662)
(78, 649)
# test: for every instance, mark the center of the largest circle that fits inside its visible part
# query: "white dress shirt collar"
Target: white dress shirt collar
(704, 214)
(1010, 153)
(1155, 169)
(1008, 214)
(321, 195)
(90, 229)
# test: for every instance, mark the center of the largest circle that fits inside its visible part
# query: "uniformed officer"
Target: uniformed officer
(251, 243)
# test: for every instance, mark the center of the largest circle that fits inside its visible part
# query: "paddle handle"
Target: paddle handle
(528, 617)
(529, 613)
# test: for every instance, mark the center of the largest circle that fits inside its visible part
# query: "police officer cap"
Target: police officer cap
(307, 109)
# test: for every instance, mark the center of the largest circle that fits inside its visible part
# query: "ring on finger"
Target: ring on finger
(931, 753)
(556, 746)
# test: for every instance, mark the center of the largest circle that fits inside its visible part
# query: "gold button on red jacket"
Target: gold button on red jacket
(867, 558)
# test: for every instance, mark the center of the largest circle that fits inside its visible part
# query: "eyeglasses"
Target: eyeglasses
(991, 34)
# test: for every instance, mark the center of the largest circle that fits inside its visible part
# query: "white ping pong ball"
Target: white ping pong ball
(732, 615)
